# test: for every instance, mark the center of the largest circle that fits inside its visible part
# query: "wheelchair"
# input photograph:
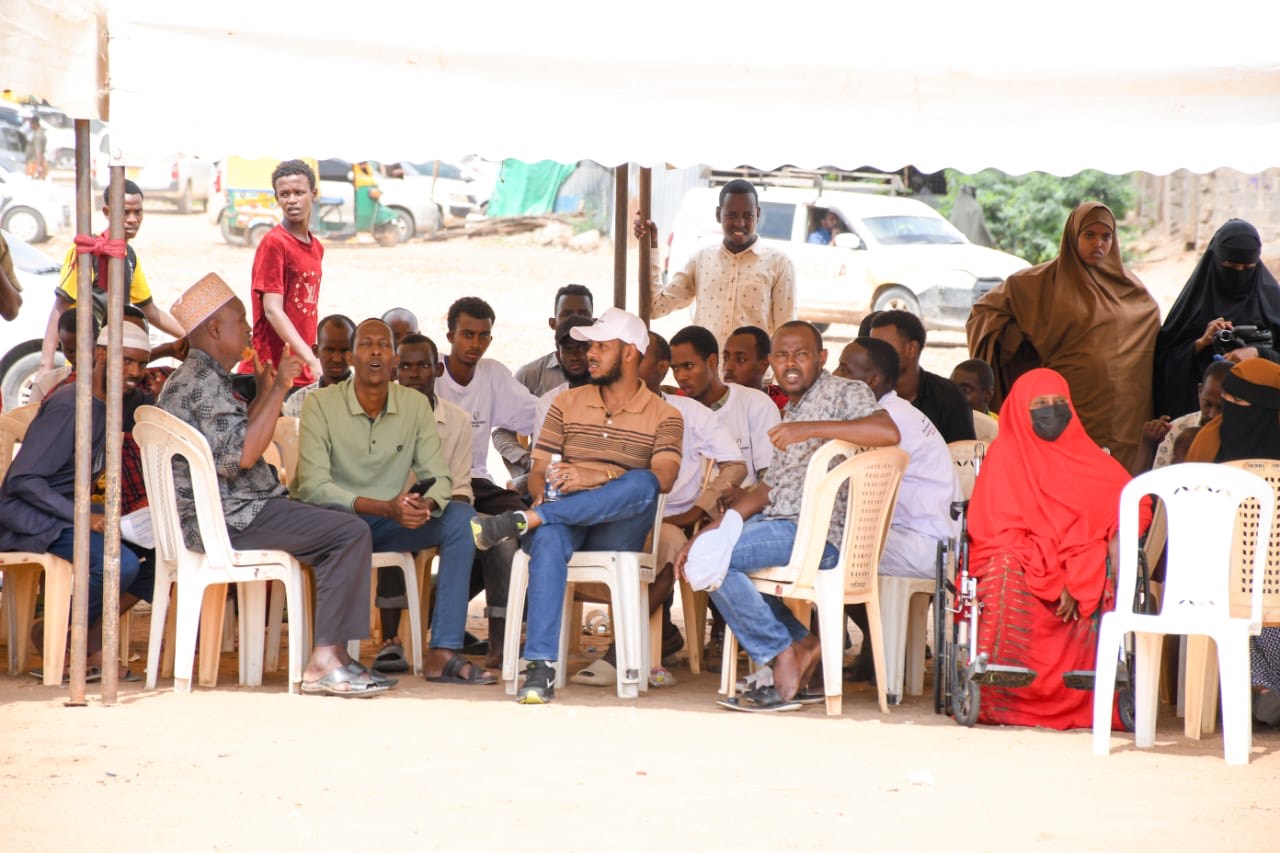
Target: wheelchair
(961, 670)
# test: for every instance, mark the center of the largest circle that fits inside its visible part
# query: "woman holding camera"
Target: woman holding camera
(1087, 317)
(1230, 307)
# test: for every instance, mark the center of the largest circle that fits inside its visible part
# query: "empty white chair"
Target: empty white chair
(1201, 501)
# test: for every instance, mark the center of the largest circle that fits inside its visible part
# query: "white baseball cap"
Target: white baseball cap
(708, 560)
(615, 325)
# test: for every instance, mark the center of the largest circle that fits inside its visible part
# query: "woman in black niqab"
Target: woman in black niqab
(1229, 287)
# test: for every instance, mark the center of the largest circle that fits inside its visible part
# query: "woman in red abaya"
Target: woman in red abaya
(1042, 522)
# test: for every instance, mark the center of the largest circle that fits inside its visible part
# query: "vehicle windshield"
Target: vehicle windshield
(908, 230)
(446, 170)
(28, 258)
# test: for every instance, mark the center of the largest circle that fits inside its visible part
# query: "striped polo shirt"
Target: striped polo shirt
(581, 429)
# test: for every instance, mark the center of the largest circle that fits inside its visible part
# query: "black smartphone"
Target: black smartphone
(420, 488)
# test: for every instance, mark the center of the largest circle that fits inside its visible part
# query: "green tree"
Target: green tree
(1026, 213)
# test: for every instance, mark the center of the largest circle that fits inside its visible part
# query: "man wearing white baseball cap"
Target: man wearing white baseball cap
(37, 498)
(619, 446)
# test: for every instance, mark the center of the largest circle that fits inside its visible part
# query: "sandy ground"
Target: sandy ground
(465, 768)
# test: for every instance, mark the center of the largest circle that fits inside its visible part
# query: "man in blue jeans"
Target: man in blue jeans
(821, 407)
(37, 498)
(620, 446)
(357, 443)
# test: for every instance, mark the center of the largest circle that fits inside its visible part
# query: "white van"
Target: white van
(894, 253)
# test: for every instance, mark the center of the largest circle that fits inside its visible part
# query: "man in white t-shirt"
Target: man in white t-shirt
(480, 386)
(487, 392)
(745, 412)
(922, 516)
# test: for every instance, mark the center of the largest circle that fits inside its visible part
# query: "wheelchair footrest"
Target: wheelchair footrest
(1000, 675)
(1083, 679)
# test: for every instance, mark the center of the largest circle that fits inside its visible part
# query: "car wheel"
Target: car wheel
(16, 383)
(897, 298)
(184, 200)
(257, 234)
(228, 233)
(388, 233)
(25, 223)
(404, 224)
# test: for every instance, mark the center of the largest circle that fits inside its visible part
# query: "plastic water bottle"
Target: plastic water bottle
(552, 493)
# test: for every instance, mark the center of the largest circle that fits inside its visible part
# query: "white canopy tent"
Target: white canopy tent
(1018, 86)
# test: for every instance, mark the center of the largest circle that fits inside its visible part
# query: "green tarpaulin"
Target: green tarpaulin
(525, 189)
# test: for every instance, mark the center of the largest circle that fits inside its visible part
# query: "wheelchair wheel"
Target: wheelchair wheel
(1125, 705)
(944, 660)
(966, 701)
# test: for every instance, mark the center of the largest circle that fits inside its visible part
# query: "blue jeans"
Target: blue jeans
(762, 623)
(451, 531)
(614, 517)
(137, 577)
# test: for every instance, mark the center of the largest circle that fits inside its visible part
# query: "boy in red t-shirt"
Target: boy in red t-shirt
(286, 275)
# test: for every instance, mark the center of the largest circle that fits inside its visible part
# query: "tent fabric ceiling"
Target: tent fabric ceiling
(989, 86)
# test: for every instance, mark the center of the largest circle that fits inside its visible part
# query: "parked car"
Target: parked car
(182, 179)
(38, 274)
(894, 253)
(30, 210)
(13, 144)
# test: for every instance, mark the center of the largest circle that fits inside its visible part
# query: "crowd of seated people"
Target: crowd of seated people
(614, 414)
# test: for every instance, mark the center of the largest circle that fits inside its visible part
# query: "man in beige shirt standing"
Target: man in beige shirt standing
(738, 282)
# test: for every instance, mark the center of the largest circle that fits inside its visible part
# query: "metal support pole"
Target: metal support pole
(646, 280)
(84, 424)
(115, 400)
(620, 192)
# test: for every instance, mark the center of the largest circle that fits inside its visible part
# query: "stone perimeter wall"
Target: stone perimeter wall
(1184, 208)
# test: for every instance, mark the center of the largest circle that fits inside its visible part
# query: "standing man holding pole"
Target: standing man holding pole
(736, 283)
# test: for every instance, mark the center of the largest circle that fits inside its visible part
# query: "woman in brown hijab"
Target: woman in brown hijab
(1087, 317)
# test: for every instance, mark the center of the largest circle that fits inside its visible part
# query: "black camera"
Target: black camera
(1235, 338)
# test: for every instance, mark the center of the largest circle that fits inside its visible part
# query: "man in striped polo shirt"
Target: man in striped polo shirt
(620, 445)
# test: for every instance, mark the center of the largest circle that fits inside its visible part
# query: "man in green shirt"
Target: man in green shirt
(358, 441)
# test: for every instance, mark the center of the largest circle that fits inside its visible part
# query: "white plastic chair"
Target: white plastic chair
(22, 570)
(905, 602)
(904, 615)
(1201, 501)
(985, 427)
(286, 442)
(405, 562)
(873, 477)
(201, 576)
(1201, 671)
(628, 575)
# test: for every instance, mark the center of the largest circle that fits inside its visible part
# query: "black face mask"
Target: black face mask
(1235, 282)
(1050, 421)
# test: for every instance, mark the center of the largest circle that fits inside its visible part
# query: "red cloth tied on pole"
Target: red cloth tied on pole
(100, 245)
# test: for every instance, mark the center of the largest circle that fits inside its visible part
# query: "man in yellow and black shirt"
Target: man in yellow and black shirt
(134, 279)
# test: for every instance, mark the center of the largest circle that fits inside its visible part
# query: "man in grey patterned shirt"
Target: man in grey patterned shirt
(821, 407)
(259, 514)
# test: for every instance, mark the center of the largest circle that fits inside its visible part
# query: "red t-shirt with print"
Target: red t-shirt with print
(284, 264)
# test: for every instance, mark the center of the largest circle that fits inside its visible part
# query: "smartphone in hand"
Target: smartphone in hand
(421, 487)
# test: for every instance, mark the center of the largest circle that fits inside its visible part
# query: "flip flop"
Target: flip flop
(341, 681)
(763, 701)
(452, 668)
(391, 659)
(599, 674)
(809, 697)
(357, 668)
(762, 677)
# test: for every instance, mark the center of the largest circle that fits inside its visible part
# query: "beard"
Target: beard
(612, 375)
